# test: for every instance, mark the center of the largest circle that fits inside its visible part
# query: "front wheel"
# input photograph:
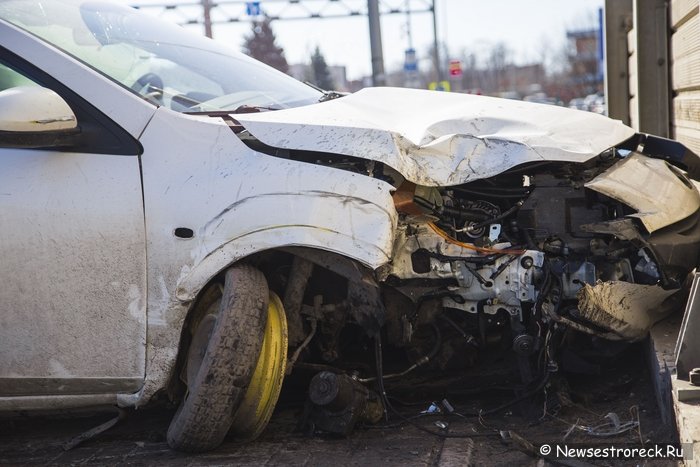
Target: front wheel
(221, 360)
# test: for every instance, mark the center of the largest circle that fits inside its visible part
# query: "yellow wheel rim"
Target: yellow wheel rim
(264, 389)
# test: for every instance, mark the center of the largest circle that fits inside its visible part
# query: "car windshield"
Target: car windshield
(164, 63)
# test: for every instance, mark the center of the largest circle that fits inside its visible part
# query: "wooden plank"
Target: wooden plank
(686, 110)
(685, 72)
(688, 136)
(681, 11)
(686, 119)
(686, 40)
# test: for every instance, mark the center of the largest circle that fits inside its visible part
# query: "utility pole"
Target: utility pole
(206, 7)
(408, 24)
(436, 47)
(375, 41)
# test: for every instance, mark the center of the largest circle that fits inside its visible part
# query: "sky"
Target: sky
(529, 28)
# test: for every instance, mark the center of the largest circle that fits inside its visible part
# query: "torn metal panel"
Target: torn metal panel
(623, 229)
(438, 139)
(660, 192)
(628, 310)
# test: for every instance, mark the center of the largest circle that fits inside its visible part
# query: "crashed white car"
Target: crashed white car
(181, 222)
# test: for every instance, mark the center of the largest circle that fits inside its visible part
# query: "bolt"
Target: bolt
(527, 262)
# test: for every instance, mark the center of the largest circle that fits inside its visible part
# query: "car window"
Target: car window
(163, 63)
(9, 78)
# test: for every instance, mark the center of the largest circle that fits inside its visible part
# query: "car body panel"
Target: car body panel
(439, 139)
(197, 174)
(73, 240)
(660, 192)
(50, 403)
(627, 310)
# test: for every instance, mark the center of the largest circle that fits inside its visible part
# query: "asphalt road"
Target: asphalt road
(140, 438)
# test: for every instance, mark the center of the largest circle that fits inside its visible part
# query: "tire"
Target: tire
(221, 360)
(254, 412)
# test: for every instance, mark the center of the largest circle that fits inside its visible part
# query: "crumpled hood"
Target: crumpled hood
(439, 139)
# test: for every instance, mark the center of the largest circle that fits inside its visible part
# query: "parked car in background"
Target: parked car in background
(595, 103)
(182, 222)
(578, 104)
(542, 98)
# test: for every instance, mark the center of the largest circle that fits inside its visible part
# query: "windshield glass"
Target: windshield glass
(164, 63)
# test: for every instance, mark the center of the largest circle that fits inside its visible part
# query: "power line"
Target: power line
(210, 12)
(235, 11)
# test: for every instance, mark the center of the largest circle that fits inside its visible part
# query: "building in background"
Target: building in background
(584, 74)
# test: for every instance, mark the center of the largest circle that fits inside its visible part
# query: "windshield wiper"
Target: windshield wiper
(243, 109)
(327, 95)
(330, 95)
(249, 109)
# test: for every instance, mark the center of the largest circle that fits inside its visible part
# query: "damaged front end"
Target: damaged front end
(603, 248)
(514, 239)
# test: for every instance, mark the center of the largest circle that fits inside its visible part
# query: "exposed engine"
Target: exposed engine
(505, 269)
(510, 257)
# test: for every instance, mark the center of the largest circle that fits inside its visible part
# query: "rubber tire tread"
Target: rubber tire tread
(205, 415)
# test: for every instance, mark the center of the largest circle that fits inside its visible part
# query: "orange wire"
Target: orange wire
(469, 246)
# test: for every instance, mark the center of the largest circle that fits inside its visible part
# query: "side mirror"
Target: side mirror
(35, 117)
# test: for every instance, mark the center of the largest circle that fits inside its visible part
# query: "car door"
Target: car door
(72, 256)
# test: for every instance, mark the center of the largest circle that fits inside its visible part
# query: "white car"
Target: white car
(181, 221)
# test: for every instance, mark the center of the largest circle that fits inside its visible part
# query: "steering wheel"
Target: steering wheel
(150, 86)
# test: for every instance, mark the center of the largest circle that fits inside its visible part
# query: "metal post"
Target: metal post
(408, 24)
(375, 41)
(618, 21)
(436, 46)
(206, 7)
(651, 53)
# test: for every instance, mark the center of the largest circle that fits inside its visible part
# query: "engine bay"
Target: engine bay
(516, 270)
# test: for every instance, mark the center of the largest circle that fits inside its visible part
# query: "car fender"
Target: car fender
(197, 175)
(370, 246)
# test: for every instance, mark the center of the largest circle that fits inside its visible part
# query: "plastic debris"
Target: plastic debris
(433, 408)
(441, 425)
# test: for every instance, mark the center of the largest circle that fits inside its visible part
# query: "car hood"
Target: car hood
(439, 139)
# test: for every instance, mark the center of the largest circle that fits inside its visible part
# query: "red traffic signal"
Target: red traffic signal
(455, 68)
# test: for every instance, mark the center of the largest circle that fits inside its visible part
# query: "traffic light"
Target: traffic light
(455, 68)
